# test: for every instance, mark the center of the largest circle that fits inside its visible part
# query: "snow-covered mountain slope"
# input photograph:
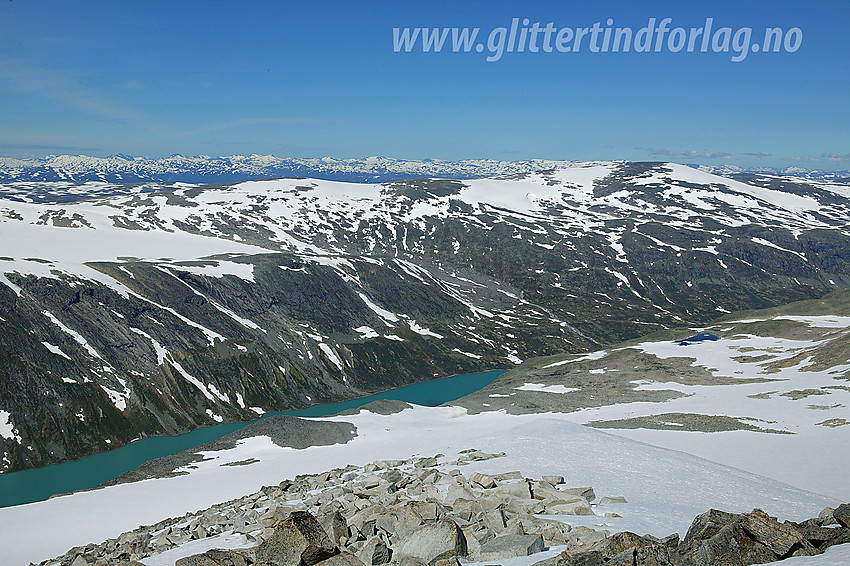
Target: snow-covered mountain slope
(792, 171)
(764, 391)
(131, 310)
(665, 489)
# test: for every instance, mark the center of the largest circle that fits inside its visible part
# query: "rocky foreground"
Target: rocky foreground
(409, 513)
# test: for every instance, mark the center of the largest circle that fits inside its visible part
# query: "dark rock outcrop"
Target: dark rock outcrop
(715, 538)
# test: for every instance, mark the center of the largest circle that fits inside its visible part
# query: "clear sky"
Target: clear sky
(320, 78)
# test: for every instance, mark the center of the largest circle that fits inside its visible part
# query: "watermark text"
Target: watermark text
(658, 36)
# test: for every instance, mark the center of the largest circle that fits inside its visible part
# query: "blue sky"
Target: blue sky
(321, 78)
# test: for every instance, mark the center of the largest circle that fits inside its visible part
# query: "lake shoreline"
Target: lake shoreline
(91, 472)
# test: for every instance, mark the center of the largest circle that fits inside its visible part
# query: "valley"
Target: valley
(161, 309)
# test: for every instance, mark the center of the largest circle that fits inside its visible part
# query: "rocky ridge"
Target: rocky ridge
(718, 538)
(409, 513)
(376, 509)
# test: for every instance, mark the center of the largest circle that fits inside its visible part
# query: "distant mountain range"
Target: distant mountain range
(204, 169)
(121, 168)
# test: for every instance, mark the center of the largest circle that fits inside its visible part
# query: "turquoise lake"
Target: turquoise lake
(39, 484)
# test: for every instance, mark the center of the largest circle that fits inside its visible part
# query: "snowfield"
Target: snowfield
(665, 489)
(769, 395)
(809, 405)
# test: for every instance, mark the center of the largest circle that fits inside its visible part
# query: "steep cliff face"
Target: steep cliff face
(88, 366)
(137, 310)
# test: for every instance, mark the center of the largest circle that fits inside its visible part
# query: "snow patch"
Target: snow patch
(587, 357)
(415, 327)
(55, 350)
(546, 388)
(7, 427)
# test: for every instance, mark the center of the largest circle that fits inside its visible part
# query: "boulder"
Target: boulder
(473, 547)
(431, 492)
(554, 480)
(456, 492)
(767, 530)
(508, 476)
(299, 540)
(342, 559)
(430, 476)
(545, 491)
(840, 535)
(585, 492)
(490, 502)
(592, 558)
(730, 545)
(514, 527)
(653, 555)
(374, 552)
(520, 506)
(624, 549)
(625, 558)
(483, 480)
(368, 513)
(607, 500)
(510, 546)
(275, 515)
(618, 543)
(495, 520)
(519, 489)
(386, 523)
(554, 536)
(820, 537)
(432, 541)
(427, 510)
(335, 526)
(466, 508)
(671, 541)
(407, 521)
(410, 561)
(827, 517)
(576, 507)
(214, 558)
(842, 515)
(585, 536)
(394, 476)
(812, 531)
(478, 456)
(707, 525)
